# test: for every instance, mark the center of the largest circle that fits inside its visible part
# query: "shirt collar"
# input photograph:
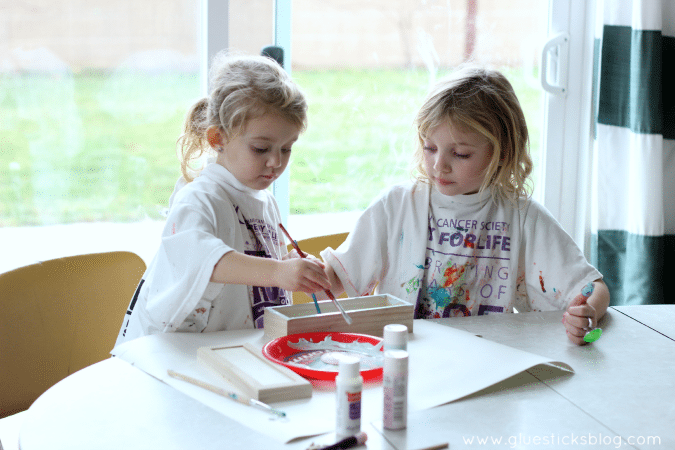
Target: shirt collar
(452, 201)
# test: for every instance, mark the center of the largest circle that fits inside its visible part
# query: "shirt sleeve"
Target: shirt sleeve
(360, 261)
(184, 263)
(552, 267)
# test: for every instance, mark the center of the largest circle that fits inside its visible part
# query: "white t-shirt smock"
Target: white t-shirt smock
(209, 217)
(461, 255)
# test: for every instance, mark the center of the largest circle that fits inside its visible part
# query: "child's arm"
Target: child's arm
(293, 274)
(582, 308)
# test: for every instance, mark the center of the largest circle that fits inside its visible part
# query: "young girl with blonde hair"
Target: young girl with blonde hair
(466, 238)
(222, 259)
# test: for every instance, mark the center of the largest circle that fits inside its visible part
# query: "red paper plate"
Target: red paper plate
(317, 362)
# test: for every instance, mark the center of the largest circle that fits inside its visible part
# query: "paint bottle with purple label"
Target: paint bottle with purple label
(395, 389)
(348, 387)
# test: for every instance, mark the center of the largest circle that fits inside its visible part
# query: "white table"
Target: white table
(657, 317)
(623, 383)
(621, 393)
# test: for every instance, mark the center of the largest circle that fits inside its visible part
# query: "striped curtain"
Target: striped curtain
(633, 208)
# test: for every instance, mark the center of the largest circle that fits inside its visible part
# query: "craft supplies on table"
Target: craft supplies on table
(395, 389)
(483, 363)
(369, 316)
(229, 394)
(315, 356)
(395, 337)
(348, 387)
(248, 371)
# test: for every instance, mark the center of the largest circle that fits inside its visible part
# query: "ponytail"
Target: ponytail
(191, 144)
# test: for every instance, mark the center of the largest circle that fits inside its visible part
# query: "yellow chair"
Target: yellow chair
(59, 316)
(314, 246)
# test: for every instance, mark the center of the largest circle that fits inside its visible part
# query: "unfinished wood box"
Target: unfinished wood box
(252, 374)
(369, 316)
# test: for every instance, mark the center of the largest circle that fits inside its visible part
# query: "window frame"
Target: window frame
(568, 129)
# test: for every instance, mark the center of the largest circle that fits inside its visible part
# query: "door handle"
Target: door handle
(554, 58)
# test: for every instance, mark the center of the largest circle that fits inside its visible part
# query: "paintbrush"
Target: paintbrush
(302, 255)
(327, 291)
(231, 395)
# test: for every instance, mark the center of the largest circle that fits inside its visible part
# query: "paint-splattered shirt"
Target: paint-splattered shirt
(209, 217)
(461, 255)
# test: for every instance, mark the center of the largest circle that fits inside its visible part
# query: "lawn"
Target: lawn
(101, 147)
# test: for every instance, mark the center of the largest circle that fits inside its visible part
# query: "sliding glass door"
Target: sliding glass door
(92, 98)
(366, 67)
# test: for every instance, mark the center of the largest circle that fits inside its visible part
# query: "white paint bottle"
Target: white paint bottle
(395, 337)
(348, 387)
(395, 389)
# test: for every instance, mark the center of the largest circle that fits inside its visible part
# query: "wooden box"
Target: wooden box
(369, 316)
(245, 367)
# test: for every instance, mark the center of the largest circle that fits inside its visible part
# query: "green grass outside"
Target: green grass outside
(96, 147)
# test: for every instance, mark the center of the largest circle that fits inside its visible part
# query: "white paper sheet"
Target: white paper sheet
(445, 365)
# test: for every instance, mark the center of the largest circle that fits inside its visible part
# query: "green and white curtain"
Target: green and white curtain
(633, 220)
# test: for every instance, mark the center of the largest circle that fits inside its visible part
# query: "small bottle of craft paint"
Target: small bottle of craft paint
(395, 389)
(395, 337)
(348, 387)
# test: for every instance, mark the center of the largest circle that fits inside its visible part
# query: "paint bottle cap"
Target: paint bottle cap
(395, 361)
(348, 366)
(395, 337)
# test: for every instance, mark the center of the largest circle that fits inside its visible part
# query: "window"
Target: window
(362, 142)
(366, 67)
(92, 98)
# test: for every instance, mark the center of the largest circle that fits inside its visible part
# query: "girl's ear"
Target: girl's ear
(215, 136)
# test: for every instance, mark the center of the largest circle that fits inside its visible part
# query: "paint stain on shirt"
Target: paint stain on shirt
(541, 282)
(452, 274)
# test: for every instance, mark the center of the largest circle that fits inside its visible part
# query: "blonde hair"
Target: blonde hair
(242, 88)
(485, 101)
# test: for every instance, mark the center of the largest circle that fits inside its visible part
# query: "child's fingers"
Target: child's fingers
(574, 333)
(579, 340)
(301, 274)
(313, 278)
(293, 254)
(579, 300)
(579, 316)
(579, 320)
(313, 258)
(575, 327)
(313, 284)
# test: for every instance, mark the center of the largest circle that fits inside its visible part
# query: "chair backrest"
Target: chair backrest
(314, 246)
(59, 316)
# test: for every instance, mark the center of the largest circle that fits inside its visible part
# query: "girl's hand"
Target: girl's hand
(576, 319)
(301, 274)
(294, 254)
(291, 255)
(585, 310)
